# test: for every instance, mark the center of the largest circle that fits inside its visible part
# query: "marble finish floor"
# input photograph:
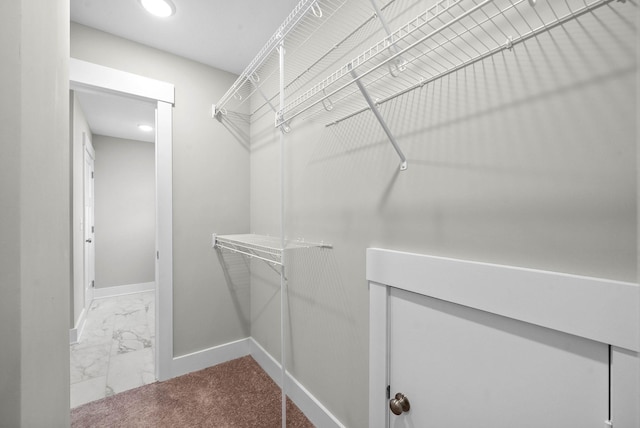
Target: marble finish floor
(116, 350)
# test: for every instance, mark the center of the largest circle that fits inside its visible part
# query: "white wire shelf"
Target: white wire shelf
(260, 76)
(444, 38)
(249, 74)
(262, 247)
(333, 69)
(307, 24)
(382, 47)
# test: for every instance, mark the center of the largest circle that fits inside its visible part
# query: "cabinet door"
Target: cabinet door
(460, 367)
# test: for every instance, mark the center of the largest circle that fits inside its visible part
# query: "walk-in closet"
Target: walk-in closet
(398, 214)
(497, 132)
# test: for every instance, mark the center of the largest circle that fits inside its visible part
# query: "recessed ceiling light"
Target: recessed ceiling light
(145, 128)
(160, 8)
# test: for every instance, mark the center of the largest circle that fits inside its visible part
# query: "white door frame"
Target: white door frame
(89, 259)
(88, 76)
(603, 310)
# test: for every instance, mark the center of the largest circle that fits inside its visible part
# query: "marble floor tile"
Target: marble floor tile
(131, 339)
(96, 332)
(102, 311)
(137, 300)
(88, 390)
(116, 349)
(132, 318)
(130, 370)
(89, 362)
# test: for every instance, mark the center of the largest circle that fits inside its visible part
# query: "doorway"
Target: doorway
(94, 78)
(116, 158)
(89, 256)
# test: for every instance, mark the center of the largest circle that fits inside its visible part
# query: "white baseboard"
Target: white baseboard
(209, 357)
(76, 332)
(313, 409)
(119, 290)
(269, 364)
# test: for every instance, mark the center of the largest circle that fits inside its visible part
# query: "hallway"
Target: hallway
(116, 349)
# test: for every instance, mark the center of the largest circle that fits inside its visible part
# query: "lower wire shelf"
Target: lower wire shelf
(263, 247)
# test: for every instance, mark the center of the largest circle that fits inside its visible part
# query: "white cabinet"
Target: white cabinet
(478, 345)
(461, 367)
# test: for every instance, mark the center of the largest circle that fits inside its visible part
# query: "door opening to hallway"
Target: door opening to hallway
(88, 224)
(114, 349)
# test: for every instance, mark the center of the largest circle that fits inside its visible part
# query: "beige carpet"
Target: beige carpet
(233, 394)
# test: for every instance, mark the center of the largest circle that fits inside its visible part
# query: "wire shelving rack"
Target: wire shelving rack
(334, 69)
(262, 247)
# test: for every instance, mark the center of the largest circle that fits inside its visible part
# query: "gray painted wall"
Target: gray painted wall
(79, 126)
(210, 185)
(10, 279)
(35, 261)
(527, 158)
(124, 211)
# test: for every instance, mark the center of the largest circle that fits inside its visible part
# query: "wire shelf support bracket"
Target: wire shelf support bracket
(376, 113)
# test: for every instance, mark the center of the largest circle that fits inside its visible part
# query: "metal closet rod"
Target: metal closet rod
(534, 32)
(248, 254)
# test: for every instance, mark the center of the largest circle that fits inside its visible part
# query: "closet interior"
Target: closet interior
(335, 60)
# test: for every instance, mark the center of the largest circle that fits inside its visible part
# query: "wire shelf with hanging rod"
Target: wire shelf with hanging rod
(258, 83)
(445, 37)
(346, 57)
(262, 247)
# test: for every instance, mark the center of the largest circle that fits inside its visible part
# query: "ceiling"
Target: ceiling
(117, 116)
(225, 34)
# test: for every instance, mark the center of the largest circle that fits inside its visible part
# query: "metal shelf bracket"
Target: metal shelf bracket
(376, 113)
(217, 112)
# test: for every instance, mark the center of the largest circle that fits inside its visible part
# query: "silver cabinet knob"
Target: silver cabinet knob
(88, 240)
(399, 404)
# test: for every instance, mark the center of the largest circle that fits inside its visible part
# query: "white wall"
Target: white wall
(210, 185)
(527, 158)
(35, 261)
(124, 211)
